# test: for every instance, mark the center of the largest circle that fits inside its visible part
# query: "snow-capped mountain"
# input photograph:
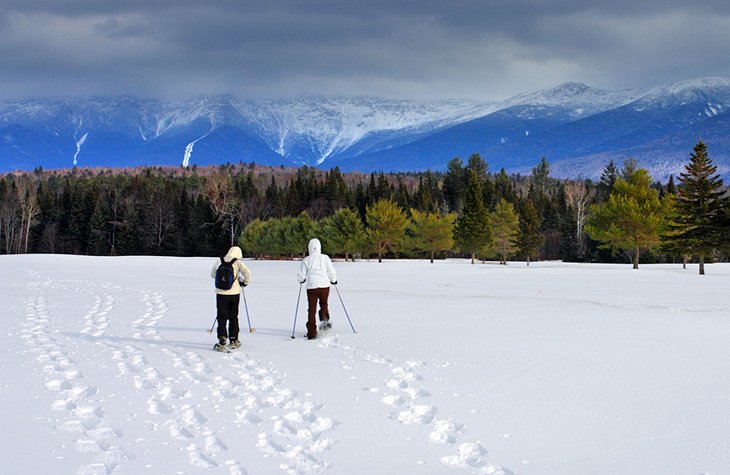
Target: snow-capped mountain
(124, 131)
(578, 99)
(578, 128)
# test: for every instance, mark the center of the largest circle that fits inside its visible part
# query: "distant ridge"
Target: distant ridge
(576, 127)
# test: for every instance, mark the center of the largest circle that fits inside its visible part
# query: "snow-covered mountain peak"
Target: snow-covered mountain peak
(329, 125)
(577, 97)
(713, 90)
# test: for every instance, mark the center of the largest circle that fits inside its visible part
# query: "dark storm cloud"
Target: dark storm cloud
(400, 48)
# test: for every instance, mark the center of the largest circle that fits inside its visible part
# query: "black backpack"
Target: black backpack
(225, 275)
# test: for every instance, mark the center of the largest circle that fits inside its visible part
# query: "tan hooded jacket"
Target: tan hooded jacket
(239, 268)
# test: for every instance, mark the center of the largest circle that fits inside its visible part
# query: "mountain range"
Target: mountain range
(579, 129)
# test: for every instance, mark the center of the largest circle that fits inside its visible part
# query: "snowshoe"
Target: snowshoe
(221, 348)
(325, 325)
(234, 344)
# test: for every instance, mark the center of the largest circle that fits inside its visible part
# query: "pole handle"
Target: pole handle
(296, 310)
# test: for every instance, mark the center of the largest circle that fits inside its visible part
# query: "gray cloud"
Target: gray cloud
(477, 49)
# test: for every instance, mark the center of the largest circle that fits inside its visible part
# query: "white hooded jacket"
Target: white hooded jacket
(240, 269)
(316, 269)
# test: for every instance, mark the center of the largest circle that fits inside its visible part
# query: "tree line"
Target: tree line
(465, 211)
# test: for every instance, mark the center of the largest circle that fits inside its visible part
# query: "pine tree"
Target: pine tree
(98, 243)
(431, 232)
(252, 238)
(479, 166)
(386, 226)
(471, 232)
(343, 232)
(530, 239)
(630, 166)
(632, 218)
(454, 185)
(605, 185)
(504, 188)
(671, 187)
(541, 176)
(505, 228)
(699, 208)
(300, 233)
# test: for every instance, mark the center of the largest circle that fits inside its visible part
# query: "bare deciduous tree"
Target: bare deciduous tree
(10, 220)
(218, 190)
(27, 193)
(162, 212)
(578, 196)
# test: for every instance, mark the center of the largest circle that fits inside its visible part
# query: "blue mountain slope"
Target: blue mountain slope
(577, 128)
(664, 156)
(477, 136)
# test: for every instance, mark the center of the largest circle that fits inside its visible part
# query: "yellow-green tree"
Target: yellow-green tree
(386, 226)
(505, 229)
(431, 232)
(252, 238)
(632, 218)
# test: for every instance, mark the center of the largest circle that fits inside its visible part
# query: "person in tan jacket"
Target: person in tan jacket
(228, 299)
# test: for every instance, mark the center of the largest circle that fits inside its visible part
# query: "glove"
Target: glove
(243, 283)
(303, 281)
(333, 283)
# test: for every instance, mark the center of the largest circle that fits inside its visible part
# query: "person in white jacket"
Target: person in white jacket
(317, 271)
(228, 300)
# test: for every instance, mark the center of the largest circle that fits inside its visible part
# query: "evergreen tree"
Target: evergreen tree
(505, 229)
(471, 232)
(422, 200)
(530, 238)
(430, 232)
(72, 218)
(384, 190)
(297, 233)
(541, 176)
(98, 243)
(630, 166)
(696, 224)
(631, 219)
(671, 187)
(336, 191)
(273, 201)
(453, 187)
(343, 232)
(503, 188)
(477, 165)
(605, 185)
(403, 199)
(569, 245)
(386, 226)
(252, 238)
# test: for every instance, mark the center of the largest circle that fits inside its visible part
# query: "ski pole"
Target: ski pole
(296, 311)
(213, 325)
(245, 305)
(345, 309)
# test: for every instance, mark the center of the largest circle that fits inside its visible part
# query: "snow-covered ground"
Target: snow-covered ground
(106, 366)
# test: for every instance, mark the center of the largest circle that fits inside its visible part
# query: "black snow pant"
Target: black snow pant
(314, 295)
(227, 306)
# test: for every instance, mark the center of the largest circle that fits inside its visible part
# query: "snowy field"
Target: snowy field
(106, 367)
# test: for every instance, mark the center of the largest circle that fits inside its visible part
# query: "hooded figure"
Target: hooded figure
(317, 271)
(227, 300)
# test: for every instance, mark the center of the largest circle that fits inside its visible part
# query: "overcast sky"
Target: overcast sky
(411, 49)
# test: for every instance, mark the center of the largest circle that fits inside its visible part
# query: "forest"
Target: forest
(465, 211)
